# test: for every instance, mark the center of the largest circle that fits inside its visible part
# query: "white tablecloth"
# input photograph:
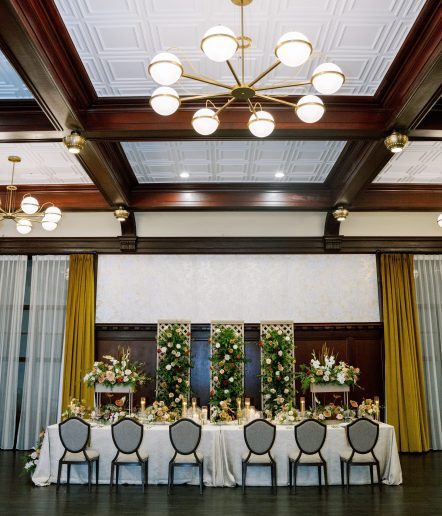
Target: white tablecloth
(222, 447)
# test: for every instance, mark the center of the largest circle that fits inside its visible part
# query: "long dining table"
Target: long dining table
(222, 447)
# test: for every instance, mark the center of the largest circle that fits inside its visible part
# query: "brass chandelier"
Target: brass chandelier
(30, 210)
(220, 44)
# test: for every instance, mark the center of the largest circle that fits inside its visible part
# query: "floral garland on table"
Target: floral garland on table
(277, 375)
(116, 371)
(332, 411)
(227, 372)
(174, 365)
(159, 412)
(326, 371)
(31, 458)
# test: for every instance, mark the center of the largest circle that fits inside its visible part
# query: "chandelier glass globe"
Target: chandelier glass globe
(439, 220)
(293, 49)
(165, 68)
(310, 109)
(24, 226)
(261, 124)
(29, 205)
(219, 43)
(165, 101)
(327, 78)
(205, 121)
(48, 225)
(52, 214)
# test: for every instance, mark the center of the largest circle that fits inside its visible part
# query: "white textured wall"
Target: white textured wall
(201, 288)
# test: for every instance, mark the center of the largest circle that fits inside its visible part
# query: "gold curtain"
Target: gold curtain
(404, 376)
(79, 330)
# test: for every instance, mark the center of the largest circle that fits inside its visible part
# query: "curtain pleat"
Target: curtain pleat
(44, 347)
(429, 302)
(404, 377)
(12, 292)
(79, 333)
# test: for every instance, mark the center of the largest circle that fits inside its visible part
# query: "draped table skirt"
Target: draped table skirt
(222, 447)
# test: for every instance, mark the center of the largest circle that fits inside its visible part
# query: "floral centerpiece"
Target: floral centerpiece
(117, 371)
(326, 370)
(76, 408)
(174, 363)
(227, 370)
(368, 409)
(332, 411)
(277, 373)
(159, 412)
(222, 412)
(288, 415)
(31, 458)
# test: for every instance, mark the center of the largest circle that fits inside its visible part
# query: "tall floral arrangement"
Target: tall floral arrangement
(117, 371)
(277, 367)
(173, 367)
(326, 370)
(227, 370)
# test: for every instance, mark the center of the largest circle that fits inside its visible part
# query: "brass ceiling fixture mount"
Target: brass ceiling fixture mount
(74, 142)
(30, 210)
(340, 214)
(121, 214)
(220, 44)
(396, 142)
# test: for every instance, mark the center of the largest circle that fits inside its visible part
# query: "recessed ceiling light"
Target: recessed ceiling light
(184, 175)
(278, 175)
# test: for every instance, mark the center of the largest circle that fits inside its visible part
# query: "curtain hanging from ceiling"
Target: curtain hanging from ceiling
(12, 292)
(44, 349)
(80, 330)
(404, 377)
(429, 302)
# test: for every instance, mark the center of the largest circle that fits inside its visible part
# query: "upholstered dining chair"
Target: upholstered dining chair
(185, 437)
(362, 436)
(259, 436)
(310, 437)
(74, 436)
(127, 435)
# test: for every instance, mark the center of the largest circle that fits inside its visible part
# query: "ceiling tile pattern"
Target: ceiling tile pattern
(11, 85)
(232, 161)
(420, 162)
(117, 38)
(42, 163)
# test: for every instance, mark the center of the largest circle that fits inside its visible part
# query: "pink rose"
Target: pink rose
(110, 376)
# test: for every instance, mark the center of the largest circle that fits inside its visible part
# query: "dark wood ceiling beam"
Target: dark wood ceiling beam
(399, 197)
(22, 115)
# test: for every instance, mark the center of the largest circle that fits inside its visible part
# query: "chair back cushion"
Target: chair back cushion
(259, 436)
(310, 436)
(363, 435)
(74, 434)
(185, 436)
(127, 435)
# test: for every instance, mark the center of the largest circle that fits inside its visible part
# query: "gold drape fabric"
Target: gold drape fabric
(404, 376)
(79, 331)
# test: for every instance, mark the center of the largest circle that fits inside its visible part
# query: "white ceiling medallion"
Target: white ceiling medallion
(220, 44)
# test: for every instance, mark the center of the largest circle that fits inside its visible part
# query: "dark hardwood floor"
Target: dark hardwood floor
(421, 493)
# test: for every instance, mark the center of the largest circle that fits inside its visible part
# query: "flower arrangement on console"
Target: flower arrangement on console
(227, 372)
(174, 365)
(117, 371)
(326, 370)
(277, 375)
(160, 412)
(31, 458)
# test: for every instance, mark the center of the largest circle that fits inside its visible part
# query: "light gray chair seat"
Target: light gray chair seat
(79, 456)
(358, 458)
(256, 459)
(127, 435)
(181, 459)
(306, 459)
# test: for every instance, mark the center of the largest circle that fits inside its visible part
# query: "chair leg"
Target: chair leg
(89, 475)
(319, 476)
(172, 477)
(378, 471)
(117, 474)
(97, 471)
(290, 474)
(371, 474)
(275, 476)
(142, 471)
(169, 478)
(146, 471)
(69, 475)
(201, 470)
(295, 474)
(325, 475)
(112, 475)
(244, 476)
(60, 465)
(342, 472)
(348, 476)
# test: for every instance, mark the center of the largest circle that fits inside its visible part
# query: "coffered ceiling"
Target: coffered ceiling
(116, 39)
(11, 84)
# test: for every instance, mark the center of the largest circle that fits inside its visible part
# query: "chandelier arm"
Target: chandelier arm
(265, 72)
(274, 99)
(223, 107)
(251, 107)
(229, 64)
(201, 97)
(207, 81)
(283, 85)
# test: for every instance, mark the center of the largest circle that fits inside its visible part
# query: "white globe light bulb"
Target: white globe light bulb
(219, 43)
(48, 226)
(24, 226)
(29, 205)
(205, 121)
(439, 220)
(165, 68)
(327, 78)
(261, 124)
(310, 109)
(52, 214)
(293, 49)
(165, 101)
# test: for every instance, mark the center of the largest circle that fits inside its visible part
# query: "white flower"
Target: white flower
(286, 391)
(341, 378)
(286, 378)
(169, 344)
(163, 349)
(287, 338)
(215, 378)
(177, 400)
(168, 367)
(125, 379)
(315, 363)
(221, 371)
(326, 378)
(174, 352)
(226, 391)
(280, 353)
(231, 379)
(178, 346)
(29, 465)
(178, 354)
(226, 357)
(268, 361)
(217, 330)
(279, 332)
(272, 391)
(34, 455)
(179, 380)
(127, 372)
(217, 345)
(235, 346)
(171, 395)
(321, 416)
(277, 373)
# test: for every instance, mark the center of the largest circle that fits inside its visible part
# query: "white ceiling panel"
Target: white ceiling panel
(232, 161)
(419, 162)
(42, 163)
(116, 39)
(11, 84)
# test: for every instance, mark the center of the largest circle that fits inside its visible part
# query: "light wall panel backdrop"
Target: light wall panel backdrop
(200, 288)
